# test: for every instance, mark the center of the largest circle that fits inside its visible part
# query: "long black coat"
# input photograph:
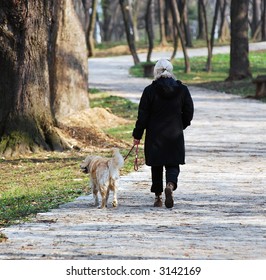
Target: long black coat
(165, 110)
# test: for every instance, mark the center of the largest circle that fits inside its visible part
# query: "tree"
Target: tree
(239, 61)
(263, 27)
(163, 40)
(185, 22)
(255, 21)
(223, 32)
(176, 20)
(149, 28)
(127, 17)
(43, 73)
(210, 43)
(202, 30)
(91, 29)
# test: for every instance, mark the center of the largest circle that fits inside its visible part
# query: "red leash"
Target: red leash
(136, 167)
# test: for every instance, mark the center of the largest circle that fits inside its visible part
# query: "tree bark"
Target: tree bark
(185, 22)
(263, 26)
(223, 32)
(163, 41)
(149, 29)
(127, 17)
(34, 89)
(201, 28)
(176, 19)
(91, 29)
(211, 43)
(239, 61)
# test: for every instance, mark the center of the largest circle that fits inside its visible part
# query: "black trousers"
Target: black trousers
(171, 175)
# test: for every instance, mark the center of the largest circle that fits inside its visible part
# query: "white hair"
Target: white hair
(163, 68)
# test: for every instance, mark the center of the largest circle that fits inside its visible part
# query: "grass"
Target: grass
(33, 185)
(44, 181)
(220, 69)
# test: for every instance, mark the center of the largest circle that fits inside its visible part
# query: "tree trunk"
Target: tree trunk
(223, 32)
(211, 43)
(163, 41)
(201, 27)
(39, 66)
(135, 14)
(168, 20)
(176, 19)
(256, 15)
(205, 24)
(91, 29)
(263, 25)
(185, 23)
(127, 17)
(149, 28)
(239, 62)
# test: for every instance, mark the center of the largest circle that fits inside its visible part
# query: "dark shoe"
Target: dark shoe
(169, 199)
(158, 201)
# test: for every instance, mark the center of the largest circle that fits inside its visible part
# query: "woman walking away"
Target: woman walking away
(165, 110)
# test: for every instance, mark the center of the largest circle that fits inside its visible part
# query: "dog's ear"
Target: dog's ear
(84, 164)
(84, 169)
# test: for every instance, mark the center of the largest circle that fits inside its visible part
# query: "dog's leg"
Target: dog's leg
(114, 186)
(95, 194)
(103, 194)
(107, 195)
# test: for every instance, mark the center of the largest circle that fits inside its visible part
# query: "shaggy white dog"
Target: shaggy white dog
(104, 174)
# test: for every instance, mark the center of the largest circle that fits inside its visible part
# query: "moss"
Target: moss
(15, 139)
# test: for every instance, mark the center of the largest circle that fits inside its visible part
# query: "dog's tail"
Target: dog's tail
(118, 160)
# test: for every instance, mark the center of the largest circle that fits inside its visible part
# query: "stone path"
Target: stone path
(219, 210)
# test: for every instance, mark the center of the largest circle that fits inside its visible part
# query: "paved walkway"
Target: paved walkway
(219, 210)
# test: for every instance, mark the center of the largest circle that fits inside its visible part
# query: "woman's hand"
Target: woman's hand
(136, 141)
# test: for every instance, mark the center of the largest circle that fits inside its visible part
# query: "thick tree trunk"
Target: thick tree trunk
(239, 62)
(31, 82)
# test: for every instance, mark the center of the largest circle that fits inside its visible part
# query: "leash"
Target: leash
(136, 167)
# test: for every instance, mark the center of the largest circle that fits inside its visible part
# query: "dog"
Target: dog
(104, 174)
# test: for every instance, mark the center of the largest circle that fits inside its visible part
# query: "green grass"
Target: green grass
(216, 78)
(46, 180)
(38, 184)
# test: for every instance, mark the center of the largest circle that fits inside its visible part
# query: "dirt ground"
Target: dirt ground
(85, 129)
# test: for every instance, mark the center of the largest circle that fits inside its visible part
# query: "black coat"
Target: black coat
(165, 110)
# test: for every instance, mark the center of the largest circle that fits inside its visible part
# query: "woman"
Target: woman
(165, 110)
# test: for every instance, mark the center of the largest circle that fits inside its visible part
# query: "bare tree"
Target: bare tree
(224, 28)
(149, 28)
(127, 17)
(176, 19)
(43, 73)
(161, 5)
(263, 20)
(256, 16)
(239, 61)
(185, 22)
(201, 28)
(210, 43)
(91, 29)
